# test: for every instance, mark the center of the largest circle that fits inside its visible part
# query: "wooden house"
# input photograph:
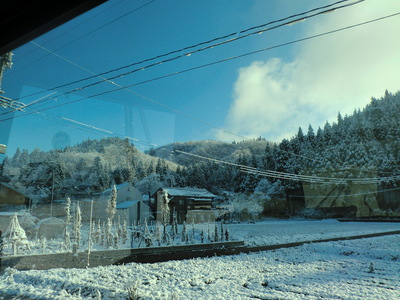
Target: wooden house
(189, 204)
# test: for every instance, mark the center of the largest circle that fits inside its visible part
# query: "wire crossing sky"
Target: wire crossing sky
(183, 51)
(246, 83)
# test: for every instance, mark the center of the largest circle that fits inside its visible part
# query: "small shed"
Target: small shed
(189, 204)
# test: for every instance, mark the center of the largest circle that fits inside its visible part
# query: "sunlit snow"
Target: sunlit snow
(358, 269)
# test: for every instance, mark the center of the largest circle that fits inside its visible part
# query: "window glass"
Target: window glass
(170, 123)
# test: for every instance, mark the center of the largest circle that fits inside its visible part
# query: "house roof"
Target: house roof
(118, 187)
(189, 192)
(126, 204)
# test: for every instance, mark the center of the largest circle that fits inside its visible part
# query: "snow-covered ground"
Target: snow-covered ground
(357, 269)
(288, 231)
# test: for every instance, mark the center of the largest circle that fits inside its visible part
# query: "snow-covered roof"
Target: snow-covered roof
(118, 187)
(189, 192)
(126, 204)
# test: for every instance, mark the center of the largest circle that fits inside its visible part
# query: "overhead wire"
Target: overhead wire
(78, 123)
(91, 128)
(105, 79)
(280, 175)
(206, 65)
(292, 176)
(128, 90)
(221, 61)
(226, 39)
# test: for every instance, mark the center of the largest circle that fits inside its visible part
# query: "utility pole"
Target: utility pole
(6, 63)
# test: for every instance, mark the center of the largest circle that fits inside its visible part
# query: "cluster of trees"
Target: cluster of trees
(364, 143)
(89, 167)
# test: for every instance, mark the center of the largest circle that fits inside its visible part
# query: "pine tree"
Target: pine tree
(161, 168)
(310, 138)
(241, 177)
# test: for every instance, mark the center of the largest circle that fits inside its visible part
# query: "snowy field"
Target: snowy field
(357, 269)
(284, 231)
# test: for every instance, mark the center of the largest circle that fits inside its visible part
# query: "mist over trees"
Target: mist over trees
(364, 143)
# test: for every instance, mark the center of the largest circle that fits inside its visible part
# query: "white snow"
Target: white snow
(357, 269)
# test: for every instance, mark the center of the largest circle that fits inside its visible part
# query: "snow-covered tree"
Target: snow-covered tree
(16, 234)
(67, 239)
(165, 208)
(78, 225)
(112, 203)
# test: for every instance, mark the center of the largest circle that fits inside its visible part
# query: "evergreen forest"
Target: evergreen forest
(362, 145)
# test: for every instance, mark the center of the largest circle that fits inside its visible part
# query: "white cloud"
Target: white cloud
(337, 72)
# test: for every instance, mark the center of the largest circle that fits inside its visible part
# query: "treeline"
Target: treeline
(89, 167)
(360, 145)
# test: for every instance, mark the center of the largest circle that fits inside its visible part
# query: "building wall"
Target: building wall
(135, 214)
(127, 192)
(9, 196)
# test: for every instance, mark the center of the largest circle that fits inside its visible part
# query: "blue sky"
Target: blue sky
(268, 94)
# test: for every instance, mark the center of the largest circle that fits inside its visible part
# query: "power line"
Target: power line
(226, 39)
(215, 62)
(219, 61)
(292, 176)
(209, 64)
(91, 128)
(206, 65)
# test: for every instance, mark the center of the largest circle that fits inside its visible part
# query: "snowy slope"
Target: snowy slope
(358, 269)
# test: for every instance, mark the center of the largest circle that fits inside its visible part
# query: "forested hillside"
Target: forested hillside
(89, 167)
(215, 149)
(364, 144)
